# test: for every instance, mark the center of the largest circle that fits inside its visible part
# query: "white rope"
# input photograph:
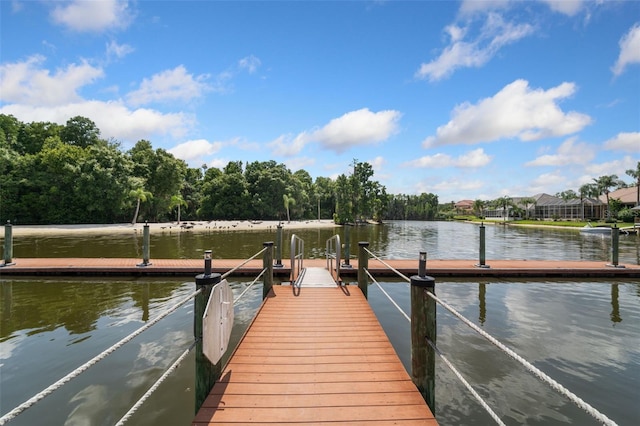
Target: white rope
(446, 361)
(75, 373)
(388, 266)
(226, 274)
(466, 384)
(387, 294)
(530, 367)
(155, 386)
(249, 286)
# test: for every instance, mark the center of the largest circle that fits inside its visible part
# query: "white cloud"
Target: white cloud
(249, 63)
(288, 145)
(569, 152)
(114, 119)
(92, 16)
(191, 150)
(169, 85)
(628, 142)
(28, 83)
(118, 51)
(615, 167)
(471, 159)
(299, 163)
(493, 36)
(516, 111)
(474, 6)
(547, 181)
(377, 163)
(355, 128)
(629, 50)
(566, 7)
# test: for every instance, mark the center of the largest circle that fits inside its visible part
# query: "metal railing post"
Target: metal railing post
(482, 260)
(267, 263)
(146, 243)
(8, 244)
(423, 329)
(363, 264)
(206, 373)
(278, 263)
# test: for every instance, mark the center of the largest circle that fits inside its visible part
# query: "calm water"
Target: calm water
(585, 334)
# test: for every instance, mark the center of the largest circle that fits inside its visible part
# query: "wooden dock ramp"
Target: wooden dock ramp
(315, 356)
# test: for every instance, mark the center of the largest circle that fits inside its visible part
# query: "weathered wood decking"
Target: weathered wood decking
(315, 356)
(435, 267)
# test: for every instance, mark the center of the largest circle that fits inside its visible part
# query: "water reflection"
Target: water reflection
(482, 303)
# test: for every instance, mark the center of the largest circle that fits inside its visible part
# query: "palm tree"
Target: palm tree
(288, 201)
(587, 190)
(141, 195)
(526, 202)
(603, 183)
(504, 202)
(636, 175)
(177, 201)
(478, 207)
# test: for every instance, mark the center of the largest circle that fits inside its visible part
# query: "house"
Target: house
(464, 206)
(627, 196)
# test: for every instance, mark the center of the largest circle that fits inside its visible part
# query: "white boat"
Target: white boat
(590, 229)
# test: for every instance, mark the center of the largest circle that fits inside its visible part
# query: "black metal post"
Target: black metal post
(8, 244)
(267, 262)
(615, 243)
(482, 260)
(423, 329)
(206, 373)
(146, 243)
(347, 246)
(278, 263)
(363, 264)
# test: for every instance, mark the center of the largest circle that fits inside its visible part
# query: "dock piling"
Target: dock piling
(615, 243)
(8, 244)
(482, 261)
(278, 263)
(206, 373)
(423, 330)
(146, 243)
(267, 262)
(347, 246)
(363, 264)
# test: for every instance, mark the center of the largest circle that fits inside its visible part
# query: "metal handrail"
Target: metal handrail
(297, 257)
(333, 252)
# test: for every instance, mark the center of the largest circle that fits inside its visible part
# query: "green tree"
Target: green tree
(505, 203)
(635, 174)
(604, 184)
(288, 202)
(80, 131)
(141, 196)
(177, 201)
(478, 207)
(528, 202)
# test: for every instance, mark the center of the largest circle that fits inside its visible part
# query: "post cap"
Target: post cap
(425, 281)
(267, 244)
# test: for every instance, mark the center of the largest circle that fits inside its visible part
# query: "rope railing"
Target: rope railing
(527, 365)
(237, 299)
(400, 274)
(75, 373)
(466, 384)
(231, 271)
(155, 386)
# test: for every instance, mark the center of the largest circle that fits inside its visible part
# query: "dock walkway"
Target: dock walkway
(435, 267)
(315, 356)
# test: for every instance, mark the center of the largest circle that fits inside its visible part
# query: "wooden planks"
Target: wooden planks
(315, 356)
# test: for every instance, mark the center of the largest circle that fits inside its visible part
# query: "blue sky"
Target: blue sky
(471, 99)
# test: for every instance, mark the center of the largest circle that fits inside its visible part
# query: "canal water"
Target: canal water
(583, 333)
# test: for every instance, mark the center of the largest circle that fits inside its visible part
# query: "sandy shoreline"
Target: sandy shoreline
(185, 226)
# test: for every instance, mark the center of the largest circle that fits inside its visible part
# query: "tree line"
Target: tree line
(67, 174)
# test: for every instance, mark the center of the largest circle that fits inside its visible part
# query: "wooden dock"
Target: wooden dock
(315, 355)
(435, 267)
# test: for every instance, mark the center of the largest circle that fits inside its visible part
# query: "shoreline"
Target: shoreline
(197, 226)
